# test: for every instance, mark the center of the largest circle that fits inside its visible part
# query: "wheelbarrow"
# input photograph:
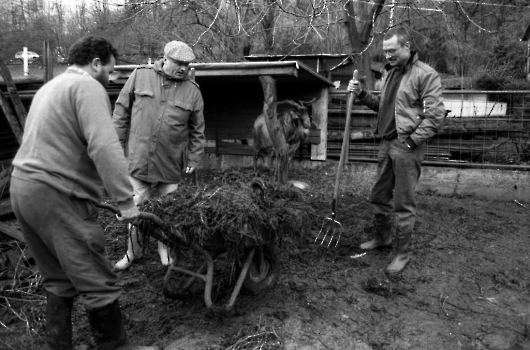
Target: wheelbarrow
(259, 271)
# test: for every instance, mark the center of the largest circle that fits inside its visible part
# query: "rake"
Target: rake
(330, 226)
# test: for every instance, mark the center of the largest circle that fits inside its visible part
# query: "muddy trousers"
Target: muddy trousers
(135, 248)
(398, 173)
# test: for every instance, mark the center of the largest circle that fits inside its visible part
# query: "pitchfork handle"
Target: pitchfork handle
(143, 215)
(344, 149)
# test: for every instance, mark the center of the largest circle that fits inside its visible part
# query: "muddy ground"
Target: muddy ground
(467, 286)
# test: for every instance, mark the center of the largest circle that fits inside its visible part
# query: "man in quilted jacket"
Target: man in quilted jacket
(410, 111)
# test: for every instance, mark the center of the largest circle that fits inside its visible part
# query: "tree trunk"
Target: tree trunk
(279, 143)
(360, 35)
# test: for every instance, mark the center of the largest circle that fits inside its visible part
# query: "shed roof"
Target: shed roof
(319, 62)
(281, 70)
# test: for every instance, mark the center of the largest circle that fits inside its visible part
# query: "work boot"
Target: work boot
(58, 322)
(135, 249)
(382, 238)
(107, 328)
(401, 257)
(165, 257)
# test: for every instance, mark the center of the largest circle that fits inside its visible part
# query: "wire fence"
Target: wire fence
(482, 129)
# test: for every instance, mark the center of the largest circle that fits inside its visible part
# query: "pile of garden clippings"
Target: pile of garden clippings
(235, 208)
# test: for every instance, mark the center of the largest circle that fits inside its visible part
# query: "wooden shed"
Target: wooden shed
(233, 97)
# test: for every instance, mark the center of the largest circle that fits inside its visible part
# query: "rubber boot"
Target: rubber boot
(382, 238)
(135, 249)
(58, 322)
(401, 257)
(107, 328)
(165, 257)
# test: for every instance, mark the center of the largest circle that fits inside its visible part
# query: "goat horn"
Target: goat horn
(290, 102)
(307, 103)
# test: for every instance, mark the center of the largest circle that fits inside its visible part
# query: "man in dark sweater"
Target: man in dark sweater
(410, 112)
(69, 154)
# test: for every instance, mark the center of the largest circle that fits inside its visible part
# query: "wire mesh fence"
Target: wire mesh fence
(482, 128)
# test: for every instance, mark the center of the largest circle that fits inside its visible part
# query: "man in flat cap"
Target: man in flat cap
(160, 123)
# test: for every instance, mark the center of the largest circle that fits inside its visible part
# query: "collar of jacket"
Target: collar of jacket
(158, 67)
(413, 58)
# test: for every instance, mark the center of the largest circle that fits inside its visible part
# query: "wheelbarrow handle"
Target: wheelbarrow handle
(143, 215)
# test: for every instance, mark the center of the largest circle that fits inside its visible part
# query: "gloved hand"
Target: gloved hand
(355, 87)
(130, 215)
(190, 170)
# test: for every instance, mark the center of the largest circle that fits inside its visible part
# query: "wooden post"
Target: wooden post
(281, 147)
(11, 118)
(48, 62)
(12, 90)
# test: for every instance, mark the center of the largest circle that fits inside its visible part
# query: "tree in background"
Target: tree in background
(457, 37)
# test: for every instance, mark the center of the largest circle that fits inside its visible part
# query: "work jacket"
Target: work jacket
(160, 124)
(419, 108)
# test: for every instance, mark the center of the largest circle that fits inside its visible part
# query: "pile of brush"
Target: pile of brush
(234, 205)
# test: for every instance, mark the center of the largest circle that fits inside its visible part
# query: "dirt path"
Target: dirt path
(466, 288)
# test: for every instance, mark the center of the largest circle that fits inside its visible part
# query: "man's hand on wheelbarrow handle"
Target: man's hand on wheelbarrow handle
(131, 215)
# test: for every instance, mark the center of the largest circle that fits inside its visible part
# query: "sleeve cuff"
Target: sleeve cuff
(362, 94)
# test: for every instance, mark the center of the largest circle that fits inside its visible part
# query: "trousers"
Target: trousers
(67, 242)
(393, 194)
(142, 189)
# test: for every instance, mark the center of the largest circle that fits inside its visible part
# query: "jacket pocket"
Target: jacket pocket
(144, 93)
(183, 105)
(143, 98)
(178, 113)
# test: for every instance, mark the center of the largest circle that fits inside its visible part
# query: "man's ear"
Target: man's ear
(95, 64)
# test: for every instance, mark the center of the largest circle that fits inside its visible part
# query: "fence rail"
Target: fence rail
(482, 129)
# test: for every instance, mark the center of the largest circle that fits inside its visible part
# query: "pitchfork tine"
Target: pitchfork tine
(321, 229)
(329, 223)
(340, 234)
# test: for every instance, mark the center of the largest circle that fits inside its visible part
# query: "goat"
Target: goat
(295, 121)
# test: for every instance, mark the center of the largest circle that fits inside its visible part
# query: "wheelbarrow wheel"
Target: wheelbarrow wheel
(264, 270)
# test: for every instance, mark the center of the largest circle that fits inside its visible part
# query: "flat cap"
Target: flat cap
(179, 51)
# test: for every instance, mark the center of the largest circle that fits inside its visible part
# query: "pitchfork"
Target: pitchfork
(331, 227)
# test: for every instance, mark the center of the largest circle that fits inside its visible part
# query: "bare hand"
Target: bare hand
(130, 215)
(355, 87)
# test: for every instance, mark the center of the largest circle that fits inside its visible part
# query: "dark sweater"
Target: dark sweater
(386, 122)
